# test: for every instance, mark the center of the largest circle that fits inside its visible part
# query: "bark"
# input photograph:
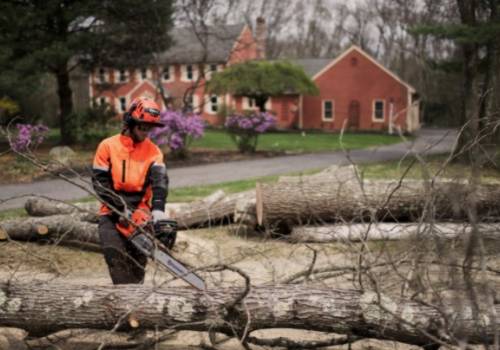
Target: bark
(334, 173)
(45, 207)
(56, 228)
(46, 308)
(388, 231)
(209, 212)
(290, 204)
(65, 94)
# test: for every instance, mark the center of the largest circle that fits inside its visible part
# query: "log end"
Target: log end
(42, 230)
(133, 321)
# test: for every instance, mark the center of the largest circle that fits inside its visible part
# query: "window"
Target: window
(102, 101)
(122, 76)
(213, 104)
(101, 75)
(327, 110)
(144, 73)
(189, 72)
(165, 75)
(123, 104)
(378, 110)
(249, 103)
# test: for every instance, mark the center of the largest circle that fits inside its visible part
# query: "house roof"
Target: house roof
(370, 58)
(187, 45)
(312, 65)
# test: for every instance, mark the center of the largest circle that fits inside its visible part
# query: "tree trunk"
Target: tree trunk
(289, 204)
(67, 125)
(45, 308)
(387, 231)
(45, 207)
(56, 228)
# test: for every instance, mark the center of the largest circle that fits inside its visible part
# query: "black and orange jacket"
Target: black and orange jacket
(128, 174)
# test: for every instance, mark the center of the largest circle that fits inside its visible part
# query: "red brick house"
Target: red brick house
(356, 92)
(185, 66)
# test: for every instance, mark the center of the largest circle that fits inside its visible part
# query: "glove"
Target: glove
(165, 229)
(125, 217)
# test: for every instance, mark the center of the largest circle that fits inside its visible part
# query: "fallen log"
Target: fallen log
(387, 231)
(55, 228)
(37, 206)
(205, 213)
(289, 204)
(44, 308)
(333, 173)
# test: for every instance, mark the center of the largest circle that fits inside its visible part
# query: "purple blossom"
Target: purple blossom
(179, 129)
(28, 137)
(244, 129)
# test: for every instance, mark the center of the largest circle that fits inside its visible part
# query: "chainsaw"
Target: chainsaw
(155, 241)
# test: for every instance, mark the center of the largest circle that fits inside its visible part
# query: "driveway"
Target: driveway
(431, 141)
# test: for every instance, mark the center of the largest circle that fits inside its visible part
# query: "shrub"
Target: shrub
(244, 129)
(95, 123)
(28, 137)
(179, 131)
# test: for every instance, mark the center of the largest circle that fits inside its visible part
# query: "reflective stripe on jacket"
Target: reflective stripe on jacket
(129, 174)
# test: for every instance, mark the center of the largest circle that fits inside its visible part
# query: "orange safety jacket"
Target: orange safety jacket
(128, 174)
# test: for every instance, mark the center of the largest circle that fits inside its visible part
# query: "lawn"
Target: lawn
(298, 142)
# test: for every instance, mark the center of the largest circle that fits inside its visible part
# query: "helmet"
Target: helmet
(143, 110)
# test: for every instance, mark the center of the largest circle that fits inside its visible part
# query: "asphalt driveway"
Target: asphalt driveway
(431, 141)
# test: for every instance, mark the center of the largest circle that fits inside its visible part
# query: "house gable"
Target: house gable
(370, 58)
(244, 47)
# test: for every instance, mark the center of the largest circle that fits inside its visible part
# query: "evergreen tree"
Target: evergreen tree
(56, 36)
(262, 79)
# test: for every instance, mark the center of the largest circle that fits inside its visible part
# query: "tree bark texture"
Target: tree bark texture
(387, 231)
(58, 228)
(205, 213)
(291, 204)
(45, 207)
(43, 308)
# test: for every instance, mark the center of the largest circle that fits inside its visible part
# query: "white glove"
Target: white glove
(159, 215)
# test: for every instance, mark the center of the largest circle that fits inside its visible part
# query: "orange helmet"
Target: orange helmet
(143, 110)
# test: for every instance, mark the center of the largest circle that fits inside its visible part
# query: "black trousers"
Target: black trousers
(126, 264)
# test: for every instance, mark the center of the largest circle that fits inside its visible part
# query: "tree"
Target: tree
(57, 36)
(260, 80)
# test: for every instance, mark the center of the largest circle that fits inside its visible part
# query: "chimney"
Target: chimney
(261, 38)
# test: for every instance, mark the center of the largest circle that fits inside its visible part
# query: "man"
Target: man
(128, 175)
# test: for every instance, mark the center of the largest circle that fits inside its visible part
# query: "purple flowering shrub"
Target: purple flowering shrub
(179, 131)
(28, 137)
(244, 129)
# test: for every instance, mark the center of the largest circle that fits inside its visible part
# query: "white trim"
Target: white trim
(138, 74)
(246, 103)
(370, 58)
(171, 73)
(376, 120)
(207, 69)
(137, 86)
(118, 104)
(117, 79)
(323, 110)
(208, 104)
(184, 77)
(98, 76)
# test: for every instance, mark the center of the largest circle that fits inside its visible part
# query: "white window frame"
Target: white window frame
(119, 104)
(98, 76)
(209, 104)
(195, 103)
(323, 110)
(184, 72)
(118, 76)
(101, 100)
(170, 73)
(374, 119)
(249, 103)
(139, 74)
(209, 71)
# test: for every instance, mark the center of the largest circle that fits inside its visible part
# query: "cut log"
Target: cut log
(56, 228)
(205, 213)
(45, 207)
(42, 308)
(333, 173)
(289, 204)
(387, 231)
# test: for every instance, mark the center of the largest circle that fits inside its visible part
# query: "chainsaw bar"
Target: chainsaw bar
(176, 268)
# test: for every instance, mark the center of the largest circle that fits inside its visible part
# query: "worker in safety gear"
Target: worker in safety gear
(129, 174)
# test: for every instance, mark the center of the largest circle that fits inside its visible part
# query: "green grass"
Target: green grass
(298, 142)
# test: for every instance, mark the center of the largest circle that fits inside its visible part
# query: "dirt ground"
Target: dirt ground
(265, 260)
